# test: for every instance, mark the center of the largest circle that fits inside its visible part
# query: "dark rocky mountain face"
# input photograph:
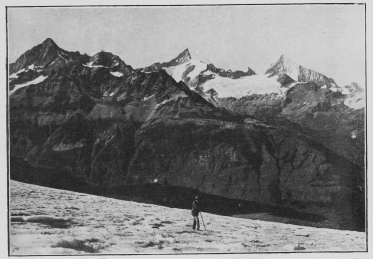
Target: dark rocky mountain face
(24, 77)
(180, 59)
(229, 73)
(46, 55)
(116, 128)
(321, 113)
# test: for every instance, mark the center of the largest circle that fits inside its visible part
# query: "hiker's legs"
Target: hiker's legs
(195, 222)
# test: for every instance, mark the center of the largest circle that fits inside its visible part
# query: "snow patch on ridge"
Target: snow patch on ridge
(208, 72)
(117, 74)
(147, 98)
(32, 67)
(15, 75)
(59, 54)
(173, 97)
(90, 65)
(353, 134)
(33, 82)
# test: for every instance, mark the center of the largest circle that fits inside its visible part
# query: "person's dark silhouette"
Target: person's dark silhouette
(196, 209)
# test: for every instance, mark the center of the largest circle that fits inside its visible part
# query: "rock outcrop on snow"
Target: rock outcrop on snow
(114, 127)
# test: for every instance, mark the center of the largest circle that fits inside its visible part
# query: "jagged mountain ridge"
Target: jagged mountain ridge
(214, 83)
(194, 72)
(98, 119)
(42, 55)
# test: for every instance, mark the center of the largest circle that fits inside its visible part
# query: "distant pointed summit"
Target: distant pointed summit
(180, 59)
(183, 57)
(42, 55)
(49, 42)
(285, 65)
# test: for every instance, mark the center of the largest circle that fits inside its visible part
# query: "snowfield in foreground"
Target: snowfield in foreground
(50, 221)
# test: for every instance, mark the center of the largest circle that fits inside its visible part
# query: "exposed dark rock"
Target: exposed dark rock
(43, 55)
(229, 73)
(285, 80)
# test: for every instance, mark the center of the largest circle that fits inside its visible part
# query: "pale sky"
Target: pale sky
(329, 39)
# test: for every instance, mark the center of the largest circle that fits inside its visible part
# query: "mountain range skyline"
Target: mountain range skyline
(283, 73)
(184, 56)
(217, 35)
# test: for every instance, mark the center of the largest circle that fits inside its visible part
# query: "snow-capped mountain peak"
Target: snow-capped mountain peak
(285, 65)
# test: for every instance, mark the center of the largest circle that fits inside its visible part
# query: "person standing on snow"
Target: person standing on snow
(196, 209)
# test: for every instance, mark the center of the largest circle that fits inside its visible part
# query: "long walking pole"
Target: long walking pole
(203, 221)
